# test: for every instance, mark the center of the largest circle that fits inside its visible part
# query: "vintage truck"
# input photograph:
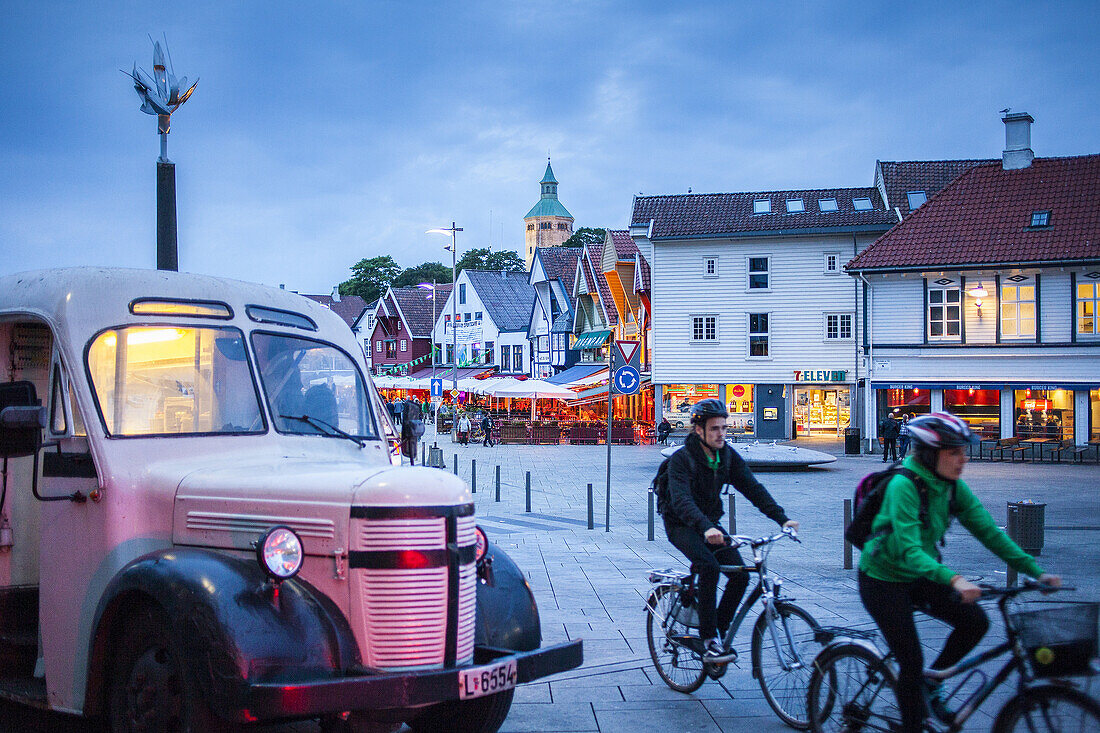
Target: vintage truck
(204, 522)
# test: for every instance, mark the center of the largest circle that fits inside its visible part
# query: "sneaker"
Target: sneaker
(937, 702)
(716, 653)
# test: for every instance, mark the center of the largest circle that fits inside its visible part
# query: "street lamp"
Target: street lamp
(454, 295)
(431, 347)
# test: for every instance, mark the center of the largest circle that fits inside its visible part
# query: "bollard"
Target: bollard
(847, 544)
(456, 464)
(591, 518)
(650, 492)
(1025, 528)
(733, 515)
(473, 475)
(423, 454)
(498, 483)
(528, 492)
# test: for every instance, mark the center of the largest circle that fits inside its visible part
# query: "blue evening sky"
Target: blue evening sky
(322, 133)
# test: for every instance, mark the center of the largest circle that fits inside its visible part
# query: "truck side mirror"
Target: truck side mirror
(22, 419)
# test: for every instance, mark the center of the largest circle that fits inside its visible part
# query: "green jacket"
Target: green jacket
(909, 551)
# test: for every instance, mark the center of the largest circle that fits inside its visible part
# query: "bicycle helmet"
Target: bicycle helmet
(940, 430)
(704, 410)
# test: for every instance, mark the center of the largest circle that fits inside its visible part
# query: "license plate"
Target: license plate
(486, 680)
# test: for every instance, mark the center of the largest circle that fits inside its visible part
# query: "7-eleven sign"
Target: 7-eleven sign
(626, 353)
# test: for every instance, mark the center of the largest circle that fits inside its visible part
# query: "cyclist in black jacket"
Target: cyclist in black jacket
(696, 475)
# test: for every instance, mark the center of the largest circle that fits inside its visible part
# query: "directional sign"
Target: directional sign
(627, 380)
(627, 350)
(437, 388)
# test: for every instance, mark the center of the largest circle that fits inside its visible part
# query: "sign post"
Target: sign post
(623, 379)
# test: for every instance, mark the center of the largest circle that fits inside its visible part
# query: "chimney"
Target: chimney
(335, 293)
(1017, 153)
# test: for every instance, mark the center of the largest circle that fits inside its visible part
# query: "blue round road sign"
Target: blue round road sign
(627, 380)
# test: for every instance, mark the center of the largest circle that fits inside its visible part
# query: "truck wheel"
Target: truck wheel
(480, 715)
(150, 689)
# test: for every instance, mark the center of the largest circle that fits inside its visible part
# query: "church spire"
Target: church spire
(549, 183)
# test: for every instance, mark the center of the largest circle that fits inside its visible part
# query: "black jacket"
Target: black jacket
(695, 491)
(890, 429)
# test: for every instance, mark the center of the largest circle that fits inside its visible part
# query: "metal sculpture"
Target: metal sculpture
(160, 92)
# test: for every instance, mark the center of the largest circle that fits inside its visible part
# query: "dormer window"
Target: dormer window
(861, 204)
(826, 205)
(795, 206)
(762, 206)
(916, 199)
(1040, 218)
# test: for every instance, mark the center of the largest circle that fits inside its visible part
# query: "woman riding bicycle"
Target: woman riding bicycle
(900, 569)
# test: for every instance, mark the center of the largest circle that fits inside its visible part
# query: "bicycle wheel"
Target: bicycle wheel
(1049, 708)
(785, 689)
(851, 689)
(680, 667)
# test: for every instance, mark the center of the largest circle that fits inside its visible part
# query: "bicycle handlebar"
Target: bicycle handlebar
(740, 540)
(1028, 586)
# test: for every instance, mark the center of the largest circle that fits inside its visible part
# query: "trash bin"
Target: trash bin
(1025, 525)
(851, 441)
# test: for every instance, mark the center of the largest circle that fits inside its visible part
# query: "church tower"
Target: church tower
(549, 223)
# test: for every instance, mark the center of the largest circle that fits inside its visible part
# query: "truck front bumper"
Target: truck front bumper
(397, 690)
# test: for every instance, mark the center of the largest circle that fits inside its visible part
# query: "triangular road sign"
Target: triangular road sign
(627, 349)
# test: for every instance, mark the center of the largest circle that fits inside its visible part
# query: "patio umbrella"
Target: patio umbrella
(532, 389)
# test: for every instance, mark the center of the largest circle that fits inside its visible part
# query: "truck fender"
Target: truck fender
(228, 622)
(507, 616)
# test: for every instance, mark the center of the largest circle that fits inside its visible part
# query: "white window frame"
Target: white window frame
(840, 318)
(404, 345)
(710, 266)
(945, 303)
(767, 334)
(836, 263)
(1078, 302)
(828, 206)
(749, 272)
(462, 293)
(699, 325)
(762, 206)
(909, 199)
(862, 203)
(1013, 305)
(799, 206)
(378, 347)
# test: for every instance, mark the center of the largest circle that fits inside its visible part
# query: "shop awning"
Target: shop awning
(590, 340)
(579, 375)
(600, 393)
(446, 373)
(983, 385)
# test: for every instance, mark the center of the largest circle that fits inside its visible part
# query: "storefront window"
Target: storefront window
(898, 402)
(981, 408)
(1044, 413)
(1094, 415)
(822, 410)
(679, 398)
(739, 404)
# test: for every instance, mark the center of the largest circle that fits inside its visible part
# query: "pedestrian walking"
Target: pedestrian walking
(398, 408)
(903, 436)
(464, 429)
(412, 427)
(890, 430)
(487, 428)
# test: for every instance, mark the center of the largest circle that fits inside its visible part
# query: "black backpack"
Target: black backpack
(868, 502)
(659, 485)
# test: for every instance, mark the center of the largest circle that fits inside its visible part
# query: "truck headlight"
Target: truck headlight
(280, 553)
(482, 545)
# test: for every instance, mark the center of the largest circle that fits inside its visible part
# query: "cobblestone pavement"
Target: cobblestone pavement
(590, 584)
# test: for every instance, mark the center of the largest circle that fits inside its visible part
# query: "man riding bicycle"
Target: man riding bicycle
(696, 475)
(900, 569)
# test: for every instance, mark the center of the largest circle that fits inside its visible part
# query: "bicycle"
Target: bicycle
(785, 637)
(852, 684)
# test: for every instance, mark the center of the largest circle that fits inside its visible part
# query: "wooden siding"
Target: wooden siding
(897, 309)
(1055, 306)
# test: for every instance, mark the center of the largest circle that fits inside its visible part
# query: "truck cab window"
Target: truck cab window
(173, 381)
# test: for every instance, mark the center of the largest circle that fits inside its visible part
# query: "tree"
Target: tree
(370, 278)
(423, 273)
(482, 258)
(585, 236)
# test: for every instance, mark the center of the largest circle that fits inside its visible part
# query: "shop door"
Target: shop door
(771, 412)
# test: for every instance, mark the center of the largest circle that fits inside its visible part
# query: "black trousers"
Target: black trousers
(891, 605)
(889, 446)
(705, 559)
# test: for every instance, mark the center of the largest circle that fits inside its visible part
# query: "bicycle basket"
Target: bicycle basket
(1059, 641)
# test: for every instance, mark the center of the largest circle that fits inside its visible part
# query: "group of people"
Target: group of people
(895, 436)
(465, 425)
(400, 410)
(900, 569)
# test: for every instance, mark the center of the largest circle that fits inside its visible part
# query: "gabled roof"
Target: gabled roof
(371, 307)
(559, 263)
(641, 274)
(563, 323)
(349, 307)
(625, 247)
(418, 309)
(984, 218)
(702, 215)
(898, 178)
(507, 296)
(594, 275)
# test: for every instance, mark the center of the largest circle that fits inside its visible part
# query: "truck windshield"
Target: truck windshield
(309, 379)
(173, 381)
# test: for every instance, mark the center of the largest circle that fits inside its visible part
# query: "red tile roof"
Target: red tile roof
(641, 274)
(930, 176)
(420, 308)
(595, 255)
(625, 247)
(348, 307)
(984, 218)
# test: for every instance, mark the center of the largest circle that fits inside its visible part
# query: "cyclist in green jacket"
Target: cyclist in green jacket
(900, 569)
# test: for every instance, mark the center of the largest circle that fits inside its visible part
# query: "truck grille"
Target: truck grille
(402, 569)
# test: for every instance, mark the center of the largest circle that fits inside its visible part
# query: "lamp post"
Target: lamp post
(454, 297)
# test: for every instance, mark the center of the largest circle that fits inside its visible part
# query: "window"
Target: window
(517, 357)
(826, 205)
(490, 353)
(1088, 298)
(378, 347)
(370, 322)
(1018, 311)
(563, 226)
(466, 317)
(762, 206)
(1040, 218)
(943, 313)
(477, 316)
(450, 354)
(710, 267)
(838, 326)
(530, 227)
(861, 204)
(758, 273)
(1043, 413)
(462, 293)
(758, 334)
(795, 206)
(704, 328)
(832, 263)
(391, 349)
(916, 199)
(404, 345)
(546, 225)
